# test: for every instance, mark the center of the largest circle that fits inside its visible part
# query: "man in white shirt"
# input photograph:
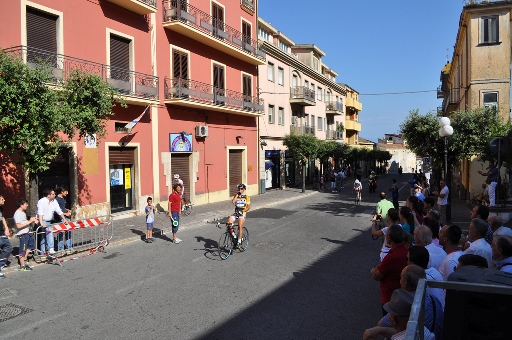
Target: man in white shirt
(449, 238)
(46, 207)
(442, 201)
(477, 231)
(423, 237)
(497, 227)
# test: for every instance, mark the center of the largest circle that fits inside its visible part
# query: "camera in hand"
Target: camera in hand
(377, 217)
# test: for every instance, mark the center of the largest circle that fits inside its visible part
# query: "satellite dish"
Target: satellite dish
(499, 144)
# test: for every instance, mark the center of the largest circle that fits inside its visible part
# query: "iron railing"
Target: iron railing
(302, 129)
(333, 106)
(248, 3)
(452, 98)
(180, 88)
(151, 3)
(333, 134)
(302, 92)
(179, 10)
(126, 82)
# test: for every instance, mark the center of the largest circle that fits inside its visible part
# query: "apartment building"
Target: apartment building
(301, 96)
(194, 63)
(479, 73)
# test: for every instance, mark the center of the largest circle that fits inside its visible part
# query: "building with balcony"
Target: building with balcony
(191, 64)
(479, 73)
(352, 124)
(300, 95)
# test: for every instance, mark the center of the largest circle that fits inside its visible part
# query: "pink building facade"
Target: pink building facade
(192, 64)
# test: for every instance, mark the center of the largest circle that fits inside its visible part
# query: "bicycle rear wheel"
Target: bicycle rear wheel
(187, 208)
(225, 245)
(245, 240)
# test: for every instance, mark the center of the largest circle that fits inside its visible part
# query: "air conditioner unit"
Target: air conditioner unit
(201, 131)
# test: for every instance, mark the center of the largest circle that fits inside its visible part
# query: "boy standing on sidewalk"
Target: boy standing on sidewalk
(26, 240)
(150, 219)
(175, 211)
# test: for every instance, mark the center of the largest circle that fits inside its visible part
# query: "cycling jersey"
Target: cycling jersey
(241, 203)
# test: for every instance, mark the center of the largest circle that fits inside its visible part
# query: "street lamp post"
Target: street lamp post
(445, 131)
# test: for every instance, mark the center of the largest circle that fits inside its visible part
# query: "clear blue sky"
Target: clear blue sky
(376, 47)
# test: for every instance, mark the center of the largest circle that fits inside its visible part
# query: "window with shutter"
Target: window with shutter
(247, 88)
(246, 32)
(217, 18)
(119, 59)
(180, 64)
(42, 35)
(218, 82)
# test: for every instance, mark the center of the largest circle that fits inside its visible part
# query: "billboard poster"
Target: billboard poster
(116, 175)
(180, 142)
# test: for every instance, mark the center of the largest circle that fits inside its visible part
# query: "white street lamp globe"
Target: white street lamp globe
(447, 130)
(443, 121)
(441, 132)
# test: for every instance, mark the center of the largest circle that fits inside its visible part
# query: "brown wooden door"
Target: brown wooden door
(246, 32)
(218, 18)
(235, 171)
(218, 82)
(247, 88)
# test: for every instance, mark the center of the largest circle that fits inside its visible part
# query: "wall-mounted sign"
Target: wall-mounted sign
(180, 142)
(116, 175)
(127, 178)
(90, 141)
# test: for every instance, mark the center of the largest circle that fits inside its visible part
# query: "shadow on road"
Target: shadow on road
(333, 298)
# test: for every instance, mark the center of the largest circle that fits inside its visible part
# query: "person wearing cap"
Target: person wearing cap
(399, 309)
(177, 180)
(242, 203)
(492, 181)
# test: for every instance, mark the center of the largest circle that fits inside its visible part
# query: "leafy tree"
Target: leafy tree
(303, 148)
(36, 117)
(472, 131)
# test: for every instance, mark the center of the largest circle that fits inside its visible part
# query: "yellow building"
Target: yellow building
(479, 73)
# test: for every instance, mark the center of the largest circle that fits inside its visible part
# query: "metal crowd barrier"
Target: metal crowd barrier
(92, 234)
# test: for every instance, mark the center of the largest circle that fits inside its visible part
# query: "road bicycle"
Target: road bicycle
(186, 205)
(357, 197)
(229, 240)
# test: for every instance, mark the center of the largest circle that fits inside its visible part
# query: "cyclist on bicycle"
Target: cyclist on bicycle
(242, 203)
(358, 187)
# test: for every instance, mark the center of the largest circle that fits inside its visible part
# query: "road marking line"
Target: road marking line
(139, 283)
(31, 326)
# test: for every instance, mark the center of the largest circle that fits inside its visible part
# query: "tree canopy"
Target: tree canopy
(38, 112)
(473, 129)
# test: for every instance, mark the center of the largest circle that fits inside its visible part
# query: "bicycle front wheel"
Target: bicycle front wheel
(187, 208)
(225, 245)
(245, 239)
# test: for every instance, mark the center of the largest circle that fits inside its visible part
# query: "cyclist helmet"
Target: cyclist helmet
(357, 181)
(241, 185)
(176, 176)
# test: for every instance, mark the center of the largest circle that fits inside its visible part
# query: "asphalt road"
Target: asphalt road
(305, 275)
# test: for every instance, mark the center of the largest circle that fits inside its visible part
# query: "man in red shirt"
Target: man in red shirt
(389, 270)
(174, 210)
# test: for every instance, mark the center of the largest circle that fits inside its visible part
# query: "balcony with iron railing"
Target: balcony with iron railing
(302, 95)
(190, 21)
(333, 108)
(302, 129)
(191, 93)
(451, 100)
(440, 93)
(138, 6)
(247, 5)
(134, 87)
(333, 134)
